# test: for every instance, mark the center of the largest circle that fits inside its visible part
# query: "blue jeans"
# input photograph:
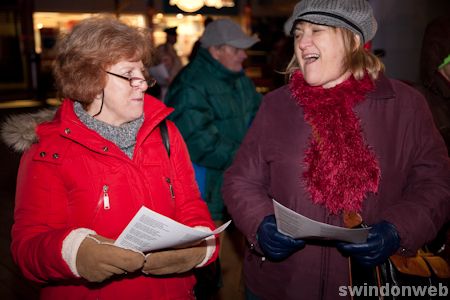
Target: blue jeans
(200, 177)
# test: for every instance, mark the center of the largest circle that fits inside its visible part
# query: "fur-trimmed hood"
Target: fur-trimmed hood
(19, 131)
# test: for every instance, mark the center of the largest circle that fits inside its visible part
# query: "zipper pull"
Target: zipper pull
(105, 197)
(172, 194)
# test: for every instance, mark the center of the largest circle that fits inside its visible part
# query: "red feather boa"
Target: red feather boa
(341, 168)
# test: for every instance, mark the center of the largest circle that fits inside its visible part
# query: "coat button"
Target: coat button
(105, 149)
(67, 130)
(55, 155)
(42, 154)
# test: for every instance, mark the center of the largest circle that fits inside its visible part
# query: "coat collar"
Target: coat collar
(154, 110)
(69, 126)
(383, 89)
(21, 131)
(205, 59)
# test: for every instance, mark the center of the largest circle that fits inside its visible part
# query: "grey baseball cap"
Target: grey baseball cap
(226, 32)
(354, 15)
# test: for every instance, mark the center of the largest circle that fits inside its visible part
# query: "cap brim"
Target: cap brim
(318, 19)
(289, 24)
(243, 43)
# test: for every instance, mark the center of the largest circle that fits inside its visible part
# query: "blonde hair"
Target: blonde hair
(357, 59)
(89, 49)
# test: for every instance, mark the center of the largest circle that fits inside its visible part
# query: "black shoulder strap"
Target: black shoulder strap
(165, 135)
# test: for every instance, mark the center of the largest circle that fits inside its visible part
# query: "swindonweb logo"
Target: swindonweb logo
(393, 290)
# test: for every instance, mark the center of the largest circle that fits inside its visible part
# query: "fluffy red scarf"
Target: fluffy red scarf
(341, 168)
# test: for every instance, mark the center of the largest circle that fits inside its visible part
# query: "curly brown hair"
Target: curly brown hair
(91, 47)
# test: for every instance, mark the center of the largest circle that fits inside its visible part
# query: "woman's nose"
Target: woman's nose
(304, 41)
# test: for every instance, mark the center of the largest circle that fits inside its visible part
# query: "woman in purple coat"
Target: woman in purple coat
(340, 139)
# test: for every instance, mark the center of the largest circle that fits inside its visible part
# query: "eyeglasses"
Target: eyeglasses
(135, 81)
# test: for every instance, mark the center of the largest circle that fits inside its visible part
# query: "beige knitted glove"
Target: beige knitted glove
(174, 260)
(98, 259)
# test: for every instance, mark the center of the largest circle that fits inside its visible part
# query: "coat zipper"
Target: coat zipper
(172, 193)
(106, 204)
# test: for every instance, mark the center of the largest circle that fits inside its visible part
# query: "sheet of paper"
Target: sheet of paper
(149, 231)
(297, 226)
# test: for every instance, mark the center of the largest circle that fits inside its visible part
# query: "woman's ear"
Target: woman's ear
(99, 96)
(96, 102)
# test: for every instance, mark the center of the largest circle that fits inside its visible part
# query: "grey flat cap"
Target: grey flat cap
(226, 32)
(354, 15)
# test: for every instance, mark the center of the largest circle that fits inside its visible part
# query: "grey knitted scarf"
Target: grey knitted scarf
(124, 136)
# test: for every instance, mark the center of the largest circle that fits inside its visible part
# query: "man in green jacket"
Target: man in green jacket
(215, 103)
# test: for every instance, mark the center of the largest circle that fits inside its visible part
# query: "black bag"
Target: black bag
(403, 278)
(399, 277)
(209, 278)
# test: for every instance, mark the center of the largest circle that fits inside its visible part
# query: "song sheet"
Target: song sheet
(297, 226)
(149, 230)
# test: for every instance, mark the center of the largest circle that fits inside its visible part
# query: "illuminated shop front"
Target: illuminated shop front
(49, 20)
(43, 20)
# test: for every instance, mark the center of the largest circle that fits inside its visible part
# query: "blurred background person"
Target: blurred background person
(435, 73)
(85, 173)
(167, 65)
(340, 140)
(215, 103)
(171, 35)
(279, 57)
(196, 45)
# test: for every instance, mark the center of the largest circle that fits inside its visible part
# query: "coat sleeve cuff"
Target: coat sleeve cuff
(210, 246)
(70, 247)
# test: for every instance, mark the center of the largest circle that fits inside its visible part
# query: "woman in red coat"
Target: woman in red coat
(341, 139)
(94, 166)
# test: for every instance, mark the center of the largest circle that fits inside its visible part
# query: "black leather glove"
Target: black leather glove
(382, 242)
(275, 245)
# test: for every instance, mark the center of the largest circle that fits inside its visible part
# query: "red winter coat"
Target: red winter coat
(60, 188)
